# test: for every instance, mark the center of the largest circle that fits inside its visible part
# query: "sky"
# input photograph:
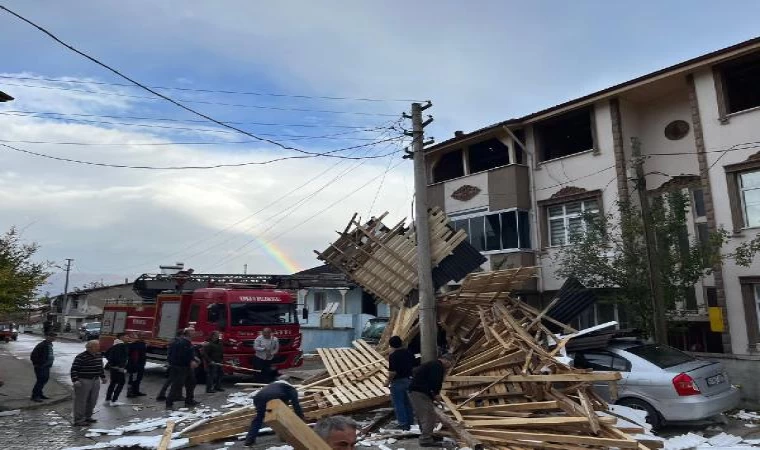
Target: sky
(269, 68)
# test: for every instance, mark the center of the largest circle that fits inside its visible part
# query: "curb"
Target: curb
(43, 404)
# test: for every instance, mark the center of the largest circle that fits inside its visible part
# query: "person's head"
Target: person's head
(92, 346)
(338, 431)
(447, 359)
(50, 337)
(395, 342)
(214, 336)
(120, 336)
(187, 333)
(266, 332)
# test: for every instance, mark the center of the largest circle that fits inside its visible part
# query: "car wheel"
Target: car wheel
(653, 417)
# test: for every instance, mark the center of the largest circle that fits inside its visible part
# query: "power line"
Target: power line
(107, 116)
(199, 102)
(212, 91)
(312, 217)
(154, 92)
(380, 186)
(200, 130)
(285, 213)
(213, 166)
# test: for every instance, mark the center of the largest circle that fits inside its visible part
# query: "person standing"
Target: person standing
(42, 358)
(425, 387)
(400, 365)
(213, 354)
(168, 382)
(118, 357)
(182, 364)
(138, 356)
(266, 347)
(86, 371)
(281, 390)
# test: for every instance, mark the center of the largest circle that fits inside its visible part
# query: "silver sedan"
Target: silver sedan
(670, 385)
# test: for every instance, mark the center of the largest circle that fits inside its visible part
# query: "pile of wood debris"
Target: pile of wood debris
(506, 389)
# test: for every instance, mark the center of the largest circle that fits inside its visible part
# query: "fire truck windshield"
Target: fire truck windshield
(246, 314)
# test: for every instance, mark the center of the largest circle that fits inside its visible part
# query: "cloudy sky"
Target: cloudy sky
(479, 62)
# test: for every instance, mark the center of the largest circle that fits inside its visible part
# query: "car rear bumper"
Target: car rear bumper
(699, 407)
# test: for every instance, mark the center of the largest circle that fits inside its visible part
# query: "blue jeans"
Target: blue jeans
(401, 403)
(43, 375)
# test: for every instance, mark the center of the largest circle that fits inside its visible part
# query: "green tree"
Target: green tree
(612, 254)
(20, 276)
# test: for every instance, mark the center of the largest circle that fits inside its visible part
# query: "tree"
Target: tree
(611, 253)
(20, 276)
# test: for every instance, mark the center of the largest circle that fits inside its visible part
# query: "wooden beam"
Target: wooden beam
(291, 429)
(497, 435)
(459, 431)
(167, 436)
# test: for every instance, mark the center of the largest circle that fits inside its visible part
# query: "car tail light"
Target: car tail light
(685, 385)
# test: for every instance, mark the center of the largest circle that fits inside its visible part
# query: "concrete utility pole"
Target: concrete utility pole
(428, 319)
(245, 269)
(65, 307)
(653, 260)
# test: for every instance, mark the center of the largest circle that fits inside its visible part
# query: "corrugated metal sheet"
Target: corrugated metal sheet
(463, 260)
(574, 298)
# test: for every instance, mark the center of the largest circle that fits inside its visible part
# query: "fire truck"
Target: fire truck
(238, 306)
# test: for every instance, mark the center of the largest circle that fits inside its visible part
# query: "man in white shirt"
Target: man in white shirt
(266, 347)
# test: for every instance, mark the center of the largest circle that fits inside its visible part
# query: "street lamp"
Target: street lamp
(5, 97)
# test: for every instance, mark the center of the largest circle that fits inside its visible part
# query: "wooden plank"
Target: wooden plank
(459, 431)
(166, 438)
(553, 377)
(551, 437)
(527, 406)
(291, 429)
(526, 422)
(593, 419)
(449, 404)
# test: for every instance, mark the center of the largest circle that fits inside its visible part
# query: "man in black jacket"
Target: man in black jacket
(117, 356)
(42, 358)
(138, 356)
(425, 387)
(213, 354)
(182, 364)
(281, 390)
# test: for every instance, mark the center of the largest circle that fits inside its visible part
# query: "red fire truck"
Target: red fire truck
(234, 306)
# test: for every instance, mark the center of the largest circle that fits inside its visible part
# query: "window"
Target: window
(320, 301)
(194, 311)
(601, 360)
(741, 84)
(662, 356)
(247, 314)
(567, 220)
(506, 230)
(703, 237)
(699, 202)
(565, 135)
(217, 313)
(448, 167)
(487, 155)
(749, 189)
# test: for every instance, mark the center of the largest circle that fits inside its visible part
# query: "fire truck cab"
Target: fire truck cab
(238, 311)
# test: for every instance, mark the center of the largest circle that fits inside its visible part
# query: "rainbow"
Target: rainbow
(278, 255)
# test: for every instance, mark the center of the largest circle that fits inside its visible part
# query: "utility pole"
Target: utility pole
(653, 260)
(428, 319)
(245, 269)
(64, 308)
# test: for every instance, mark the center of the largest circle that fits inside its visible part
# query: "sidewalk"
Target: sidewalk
(18, 376)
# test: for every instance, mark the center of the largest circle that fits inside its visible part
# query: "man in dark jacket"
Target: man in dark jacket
(281, 390)
(138, 356)
(182, 364)
(162, 393)
(117, 356)
(425, 387)
(42, 358)
(213, 354)
(400, 365)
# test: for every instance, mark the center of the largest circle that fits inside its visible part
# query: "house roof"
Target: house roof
(324, 268)
(94, 289)
(685, 66)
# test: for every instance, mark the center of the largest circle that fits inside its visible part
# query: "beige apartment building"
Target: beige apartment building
(699, 127)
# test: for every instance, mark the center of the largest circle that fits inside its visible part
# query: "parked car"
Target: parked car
(8, 332)
(374, 329)
(89, 331)
(670, 385)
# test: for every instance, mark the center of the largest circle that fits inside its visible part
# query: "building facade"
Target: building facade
(520, 187)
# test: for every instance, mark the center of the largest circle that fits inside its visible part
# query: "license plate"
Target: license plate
(716, 379)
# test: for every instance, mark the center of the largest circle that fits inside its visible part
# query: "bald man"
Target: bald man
(87, 374)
